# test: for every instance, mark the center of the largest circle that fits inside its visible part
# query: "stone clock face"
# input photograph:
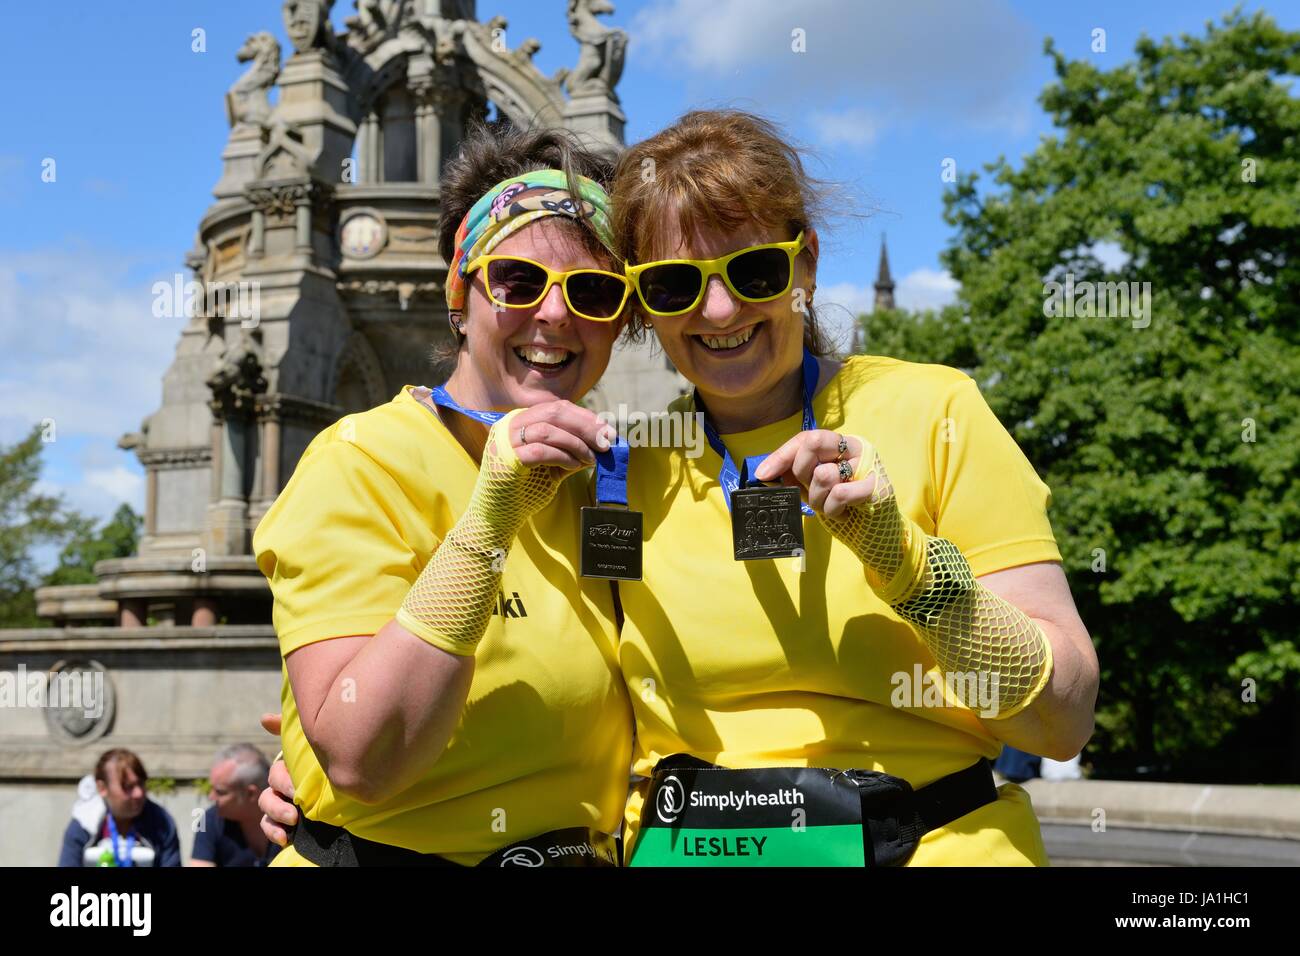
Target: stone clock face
(362, 236)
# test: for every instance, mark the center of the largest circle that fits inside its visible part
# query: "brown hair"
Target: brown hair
(119, 757)
(492, 152)
(721, 169)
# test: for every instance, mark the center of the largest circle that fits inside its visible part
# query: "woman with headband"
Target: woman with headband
(451, 692)
(865, 651)
(885, 601)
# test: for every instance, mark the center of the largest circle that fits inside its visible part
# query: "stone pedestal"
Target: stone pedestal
(238, 162)
(314, 101)
(599, 121)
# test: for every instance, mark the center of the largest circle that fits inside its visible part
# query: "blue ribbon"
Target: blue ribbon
(611, 466)
(442, 397)
(730, 478)
(611, 474)
(130, 843)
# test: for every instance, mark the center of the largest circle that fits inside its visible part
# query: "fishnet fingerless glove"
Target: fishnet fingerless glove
(930, 585)
(451, 601)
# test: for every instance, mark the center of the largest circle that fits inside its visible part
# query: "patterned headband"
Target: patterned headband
(512, 204)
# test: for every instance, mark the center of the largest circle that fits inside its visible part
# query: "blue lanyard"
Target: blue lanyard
(611, 466)
(611, 474)
(730, 478)
(443, 398)
(130, 843)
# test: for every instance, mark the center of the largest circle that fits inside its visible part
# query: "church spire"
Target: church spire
(884, 283)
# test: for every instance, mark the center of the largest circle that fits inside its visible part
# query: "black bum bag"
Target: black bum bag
(700, 814)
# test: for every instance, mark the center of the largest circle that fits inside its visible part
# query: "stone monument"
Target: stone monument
(318, 292)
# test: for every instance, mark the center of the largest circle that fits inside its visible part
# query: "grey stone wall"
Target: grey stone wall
(178, 695)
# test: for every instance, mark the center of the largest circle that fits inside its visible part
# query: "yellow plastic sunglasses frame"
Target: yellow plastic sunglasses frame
(552, 277)
(712, 267)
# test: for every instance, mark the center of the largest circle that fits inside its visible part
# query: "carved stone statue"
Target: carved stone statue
(246, 102)
(308, 24)
(237, 379)
(374, 20)
(600, 63)
(284, 153)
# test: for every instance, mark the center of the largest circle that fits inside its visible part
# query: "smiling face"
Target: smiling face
(737, 353)
(515, 358)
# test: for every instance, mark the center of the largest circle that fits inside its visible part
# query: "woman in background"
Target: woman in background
(114, 823)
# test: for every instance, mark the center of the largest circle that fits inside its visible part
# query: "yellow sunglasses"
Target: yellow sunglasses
(514, 282)
(755, 274)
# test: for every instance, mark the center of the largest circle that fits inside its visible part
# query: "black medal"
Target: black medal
(611, 543)
(766, 523)
(610, 546)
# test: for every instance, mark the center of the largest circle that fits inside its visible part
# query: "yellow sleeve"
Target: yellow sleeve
(990, 502)
(337, 547)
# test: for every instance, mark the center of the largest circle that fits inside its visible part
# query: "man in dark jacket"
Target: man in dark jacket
(231, 831)
(114, 823)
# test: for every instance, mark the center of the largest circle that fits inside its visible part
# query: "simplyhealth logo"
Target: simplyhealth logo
(74, 909)
(672, 799)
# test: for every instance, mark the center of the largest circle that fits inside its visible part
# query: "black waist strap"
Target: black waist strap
(895, 817)
(328, 845)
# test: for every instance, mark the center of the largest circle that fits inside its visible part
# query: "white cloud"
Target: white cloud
(79, 345)
(918, 290)
(838, 307)
(119, 484)
(926, 289)
(933, 59)
(856, 298)
(98, 493)
(852, 127)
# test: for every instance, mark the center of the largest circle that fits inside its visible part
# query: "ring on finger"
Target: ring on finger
(846, 471)
(523, 434)
(842, 449)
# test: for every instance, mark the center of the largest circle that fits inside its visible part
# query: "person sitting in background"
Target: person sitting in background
(231, 834)
(114, 823)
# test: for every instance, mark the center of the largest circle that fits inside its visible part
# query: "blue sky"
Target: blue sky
(133, 119)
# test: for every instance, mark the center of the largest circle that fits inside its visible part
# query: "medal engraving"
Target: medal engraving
(611, 544)
(766, 523)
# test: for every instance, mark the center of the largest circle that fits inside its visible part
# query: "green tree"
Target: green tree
(28, 519)
(117, 538)
(1171, 441)
(945, 337)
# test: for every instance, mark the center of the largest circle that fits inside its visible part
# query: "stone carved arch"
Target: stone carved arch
(512, 82)
(507, 78)
(358, 382)
(369, 77)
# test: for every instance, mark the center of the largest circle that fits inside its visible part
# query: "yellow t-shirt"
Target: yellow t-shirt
(755, 663)
(545, 738)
